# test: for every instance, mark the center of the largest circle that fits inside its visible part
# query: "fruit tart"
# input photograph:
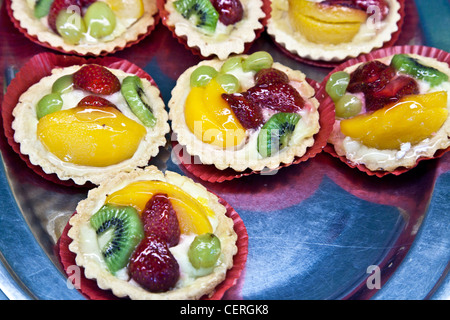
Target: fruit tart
(391, 111)
(85, 27)
(152, 235)
(244, 112)
(86, 122)
(333, 30)
(214, 27)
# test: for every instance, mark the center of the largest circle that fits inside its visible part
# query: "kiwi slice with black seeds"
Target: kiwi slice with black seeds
(42, 8)
(201, 12)
(136, 99)
(276, 133)
(119, 230)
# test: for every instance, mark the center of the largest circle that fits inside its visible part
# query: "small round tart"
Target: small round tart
(327, 31)
(204, 29)
(75, 26)
(244, 112)
(391, 112)
(86, 122)
(199, 215)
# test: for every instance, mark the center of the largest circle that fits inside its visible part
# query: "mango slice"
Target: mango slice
(90, 136)
(411, 119)
(191, 213)
(210, 117)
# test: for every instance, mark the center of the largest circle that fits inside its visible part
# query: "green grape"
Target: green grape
(348, 106)
(231, 64)
(257, 61)
(337, 85)
(70, 26)
(228, 82)
(204, 251)
(100, 19)
(49, 103)
(201, 76)
(63, 84)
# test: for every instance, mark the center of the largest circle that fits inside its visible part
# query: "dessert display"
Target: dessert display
(215, 28)
(333, 30)
(245, 112)
(391, 111)
(87, 122)
(153, 235)
(85, 27)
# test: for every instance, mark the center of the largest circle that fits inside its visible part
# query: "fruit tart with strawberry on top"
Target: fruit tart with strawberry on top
(215, 28)
(153, 235)
(244, 112)
(85, 27)
(86, 122)
(333, 30)
(390, 112)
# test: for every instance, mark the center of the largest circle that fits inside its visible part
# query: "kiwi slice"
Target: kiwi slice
(134, 95)
(201, 12)
(412, 66)
(119, 230)
(42, 8)
(276, 132)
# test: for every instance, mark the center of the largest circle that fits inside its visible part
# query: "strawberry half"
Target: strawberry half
(95, 101)
(96, 79)
(279, 96)
(153, 266)
(270, 75)
(160, 219)
(249, 115)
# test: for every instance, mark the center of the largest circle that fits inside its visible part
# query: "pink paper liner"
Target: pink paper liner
(41, 66)
(430, 52)
(90, 289)
(210, 173)
(60, 49)
(164, 14)
(332, 64)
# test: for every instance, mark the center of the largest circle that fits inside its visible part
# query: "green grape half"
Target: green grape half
(63, 84)
(231, 64)
(70, 26)
(228, 82)
(204, 251)
(100, 19)
(348, 106)
(257, 61)
(49, 103)
(337, 85)
(202, 75)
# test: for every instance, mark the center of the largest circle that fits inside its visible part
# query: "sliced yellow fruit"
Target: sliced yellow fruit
(133, 9)
(192, 214)
(89, 136)
(326, 12)
(411, 119)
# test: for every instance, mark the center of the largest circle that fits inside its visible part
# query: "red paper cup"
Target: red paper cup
(89, 288)
(210, 173)
(331, 64)
(35, 39)
(32, 72)
(430, 52)
(164, 14)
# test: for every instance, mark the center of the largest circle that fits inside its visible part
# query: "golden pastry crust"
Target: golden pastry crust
(232, 38)
(246, 156)
(122, 288)
(389, 160)
(25, 130)
(23, 13)
(280, 28)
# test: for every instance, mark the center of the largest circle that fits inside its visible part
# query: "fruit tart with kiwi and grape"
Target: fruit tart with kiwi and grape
(244, 112)
(391, 111)
(86, 122)
(333, 30)
(215, 27)
(153, 235)
(85, 27)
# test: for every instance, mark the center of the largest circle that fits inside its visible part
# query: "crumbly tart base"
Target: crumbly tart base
(25, 131)
(281, 29)
(93, 270)
(231, 42)
(40, 30)
(389, 160)
(245, 156)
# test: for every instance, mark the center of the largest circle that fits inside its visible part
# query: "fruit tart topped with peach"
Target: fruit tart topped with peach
(85, 27)
(333, 30)
(244, 112)
(153, 235)
(391, 111)
(215, 27)
(87, 122)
